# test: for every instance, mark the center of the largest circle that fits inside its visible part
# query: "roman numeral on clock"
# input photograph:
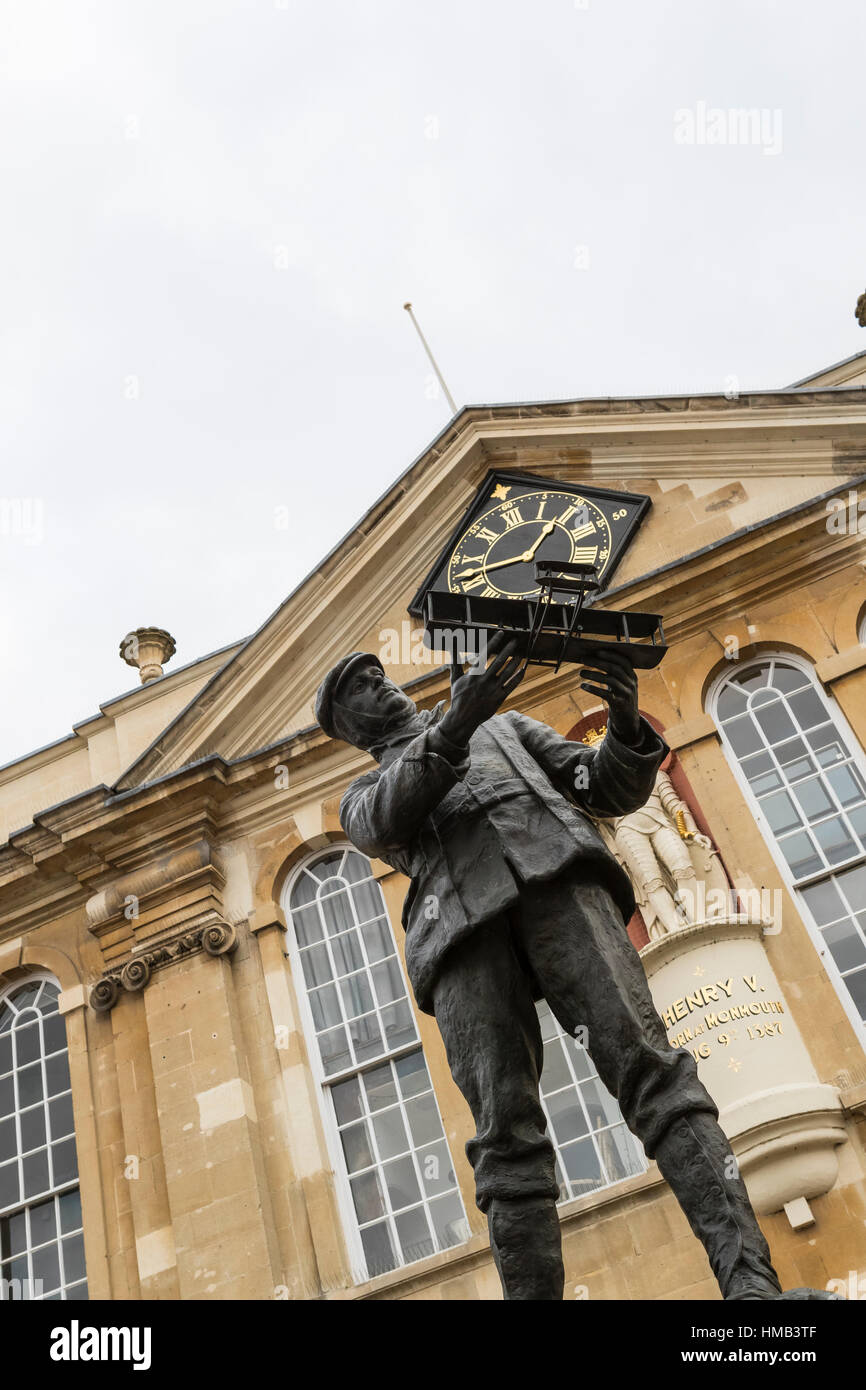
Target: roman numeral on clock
(513, 517)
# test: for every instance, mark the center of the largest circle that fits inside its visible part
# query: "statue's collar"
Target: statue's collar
(390, 747)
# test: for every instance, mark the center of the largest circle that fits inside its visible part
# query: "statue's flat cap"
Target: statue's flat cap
(328, 689)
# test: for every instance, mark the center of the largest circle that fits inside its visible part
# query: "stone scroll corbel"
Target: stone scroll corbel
(216, 939)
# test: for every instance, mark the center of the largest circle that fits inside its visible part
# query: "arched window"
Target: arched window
(594, 1148)
(803, 775)
(41, 1241)
(397, 1185)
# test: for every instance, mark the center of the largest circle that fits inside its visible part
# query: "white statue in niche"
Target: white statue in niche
(674, 869)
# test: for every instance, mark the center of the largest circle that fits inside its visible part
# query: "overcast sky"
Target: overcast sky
(214, 212)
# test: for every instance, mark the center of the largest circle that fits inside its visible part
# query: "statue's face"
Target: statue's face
(368, 705)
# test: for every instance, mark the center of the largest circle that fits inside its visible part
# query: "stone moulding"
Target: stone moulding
(215, 939)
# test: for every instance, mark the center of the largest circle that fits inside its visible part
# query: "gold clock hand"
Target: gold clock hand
(528, 554)
(515, 559)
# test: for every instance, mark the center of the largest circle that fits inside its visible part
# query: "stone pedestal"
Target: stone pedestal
(718, 996)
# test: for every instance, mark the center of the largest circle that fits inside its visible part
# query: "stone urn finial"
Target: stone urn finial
(148, 648)
(860, 311)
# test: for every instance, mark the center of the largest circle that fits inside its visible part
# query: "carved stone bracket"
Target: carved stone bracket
(214, 939)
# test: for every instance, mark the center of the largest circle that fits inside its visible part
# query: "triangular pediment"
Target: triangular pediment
(713, 468)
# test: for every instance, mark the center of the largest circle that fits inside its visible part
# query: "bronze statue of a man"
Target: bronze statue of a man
(515, 897)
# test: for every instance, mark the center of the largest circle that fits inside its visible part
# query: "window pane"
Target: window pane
(780, 812)
(356, 1146)
(732, 702)
(857, 817)
(600, 1104)
(70, 1211)
(437, 1173)
(30, 1085)
(744, 736)
(857, 985)
(63, 1162)
(9, 1189)
(54, 1032)
(46, 1267)
(366, 1038)
(380, 1086)
(788, 677)
(752, 679)
(33, 1135)
(620, 1153)
(399, 1025)
(801, 856)
(367, 1197)
(390, 1132)
(13, 1234)
(316, 965)
(8, 1139)
(5, 1052)
(378, 940)
(555, 1072)
(566, 1116)
(388, 981)
(57, 1073)
(356, 995)
(43, 1222)
(308, 925)
(73, 1258)
(347, 1100)
(325, 1006)
(775, 721)
(337, 912)
(808, 708)
(35, 1173)
(846, 945)
(852, 882)
(813, 799)
(757, 765)
(424, 1121)
(847, 784)
(413, 1232)
(347, 953)
(367, 898)
(401, 1182)
(412, 1074)
(449, 1221)
(833, 837)
(28, 1044)
(334, 1048)
(378, 1250)
(582, 1167)
(824, 902)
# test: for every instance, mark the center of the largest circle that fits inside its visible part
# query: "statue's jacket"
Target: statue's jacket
(471, 831)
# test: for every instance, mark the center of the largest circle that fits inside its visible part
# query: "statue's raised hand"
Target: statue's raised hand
(612, 676)
(478, 694)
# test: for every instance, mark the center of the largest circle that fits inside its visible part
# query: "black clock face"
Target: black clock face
(495, 557)
(516, 520)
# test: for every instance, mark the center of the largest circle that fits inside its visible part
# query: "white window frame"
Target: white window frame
(73, 1185)
(858, 757)
(324, 1082)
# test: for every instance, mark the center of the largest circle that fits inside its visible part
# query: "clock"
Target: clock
(515, 521)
